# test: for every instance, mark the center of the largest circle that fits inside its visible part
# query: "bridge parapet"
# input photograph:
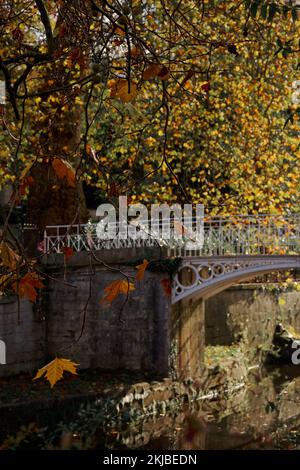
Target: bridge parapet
(220, 236)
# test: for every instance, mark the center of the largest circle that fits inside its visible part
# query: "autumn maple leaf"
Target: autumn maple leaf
(116, 288)
(55, 369)
(27, 285)
(141, 270)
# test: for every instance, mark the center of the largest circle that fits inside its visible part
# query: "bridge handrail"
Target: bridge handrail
(222, 235)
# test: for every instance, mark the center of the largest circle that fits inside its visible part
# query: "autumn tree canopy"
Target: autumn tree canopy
(163, 100)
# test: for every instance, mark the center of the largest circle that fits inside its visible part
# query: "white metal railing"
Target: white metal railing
(220, 236)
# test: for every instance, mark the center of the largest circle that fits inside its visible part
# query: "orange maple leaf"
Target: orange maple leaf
(63, 170)
(141, 270)
(55, 369)
(27, 285)
(116, 288)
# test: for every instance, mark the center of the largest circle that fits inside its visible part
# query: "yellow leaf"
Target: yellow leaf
(116, 288)
(141, 270)
(55, 369)
(120, 89)
(282, 301)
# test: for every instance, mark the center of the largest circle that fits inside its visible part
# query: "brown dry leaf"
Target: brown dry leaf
(116, 288)
(55, 369)
(141, 270)
(152, 71)
(63, 170)
(9, 257)
(164, 74)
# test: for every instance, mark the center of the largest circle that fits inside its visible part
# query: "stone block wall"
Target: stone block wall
(145, 332)
(24, 335)
(132, 334)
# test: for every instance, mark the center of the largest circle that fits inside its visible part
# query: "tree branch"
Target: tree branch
(46, 22)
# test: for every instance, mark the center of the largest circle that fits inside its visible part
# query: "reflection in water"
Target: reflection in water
(259, 416)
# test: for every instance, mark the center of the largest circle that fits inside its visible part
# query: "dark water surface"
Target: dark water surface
(265, 414)
(262, 414)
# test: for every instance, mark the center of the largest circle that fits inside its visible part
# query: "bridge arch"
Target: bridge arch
(202, 278)
(197, 280)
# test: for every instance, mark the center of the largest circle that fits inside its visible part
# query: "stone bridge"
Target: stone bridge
(228, 250)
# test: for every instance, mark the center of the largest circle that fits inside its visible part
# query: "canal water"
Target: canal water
(262, 414)
(265, 414)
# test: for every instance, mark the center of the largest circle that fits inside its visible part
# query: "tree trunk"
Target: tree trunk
(52, 200)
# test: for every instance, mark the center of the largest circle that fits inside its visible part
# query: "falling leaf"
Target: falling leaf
(63, 170)
(27, 285)
(68, 252)
(166, 284)
(8, 257)
(141, 270)
(55, 369)
(116, 288)
(123, 89)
